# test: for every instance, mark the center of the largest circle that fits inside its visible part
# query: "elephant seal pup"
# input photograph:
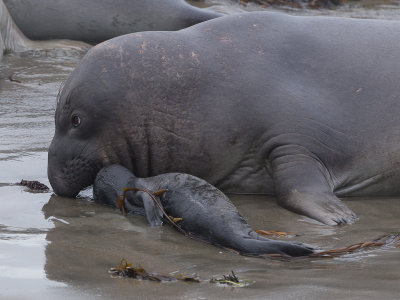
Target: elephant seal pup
(206, 212)
(94, 21)
(305, 108)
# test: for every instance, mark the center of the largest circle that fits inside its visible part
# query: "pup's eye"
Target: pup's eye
(76, 121)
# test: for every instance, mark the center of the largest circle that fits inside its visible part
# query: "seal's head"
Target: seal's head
(120, 106)
(88, 124)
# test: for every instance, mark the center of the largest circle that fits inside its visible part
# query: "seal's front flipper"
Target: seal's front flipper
(153, 212)
(303, 185)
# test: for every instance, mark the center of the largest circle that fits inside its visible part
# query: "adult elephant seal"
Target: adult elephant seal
(13, 40)
(206, 213)
(306, 108)
(95, 21)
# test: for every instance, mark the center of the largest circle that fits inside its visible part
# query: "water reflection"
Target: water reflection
(23, 232)
(87, 239)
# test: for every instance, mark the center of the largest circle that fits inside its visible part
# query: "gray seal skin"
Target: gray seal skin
(305, 108)
(206, 212)
(13, 40)
(95, 21)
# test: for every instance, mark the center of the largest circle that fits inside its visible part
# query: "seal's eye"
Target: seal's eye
(76, 121)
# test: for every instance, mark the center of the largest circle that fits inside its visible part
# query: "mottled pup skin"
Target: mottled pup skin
(205, 211)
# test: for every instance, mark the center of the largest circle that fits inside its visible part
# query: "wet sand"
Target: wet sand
(58, 248)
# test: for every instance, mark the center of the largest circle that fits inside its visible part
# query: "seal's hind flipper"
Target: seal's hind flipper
(153, 212)
(254, 244)
(11, 38)
(304, 185)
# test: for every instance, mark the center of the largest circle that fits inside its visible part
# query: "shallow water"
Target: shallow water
(59, 248)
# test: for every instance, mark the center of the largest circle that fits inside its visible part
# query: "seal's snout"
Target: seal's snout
(52, 170)
(71, 169)
(61, 189)
(55, 174)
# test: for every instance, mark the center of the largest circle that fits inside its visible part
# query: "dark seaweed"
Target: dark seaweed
(125, 269)
(35, 186)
